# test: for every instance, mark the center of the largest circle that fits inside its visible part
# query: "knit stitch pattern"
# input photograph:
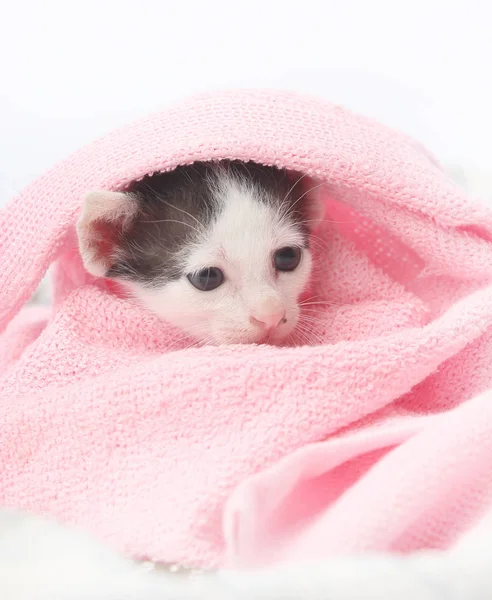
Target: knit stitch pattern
(375, 436)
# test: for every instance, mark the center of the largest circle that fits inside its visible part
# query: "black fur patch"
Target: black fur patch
(175, 207)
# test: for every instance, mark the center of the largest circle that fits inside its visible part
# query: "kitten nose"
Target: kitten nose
(268, 315)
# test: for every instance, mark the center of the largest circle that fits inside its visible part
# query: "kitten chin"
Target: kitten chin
(220, 250)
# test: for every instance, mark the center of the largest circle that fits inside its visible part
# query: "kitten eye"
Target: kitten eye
(206, 280)
(287, 259)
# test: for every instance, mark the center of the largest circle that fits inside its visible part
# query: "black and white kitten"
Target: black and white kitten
(218, 249)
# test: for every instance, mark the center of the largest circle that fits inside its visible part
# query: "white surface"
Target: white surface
(72, 70)
(42, 561)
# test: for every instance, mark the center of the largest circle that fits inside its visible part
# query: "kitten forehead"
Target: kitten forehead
(245, 233)
(187, 215)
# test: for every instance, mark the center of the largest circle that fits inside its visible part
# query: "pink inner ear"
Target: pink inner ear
(103, 240)
(104, 217)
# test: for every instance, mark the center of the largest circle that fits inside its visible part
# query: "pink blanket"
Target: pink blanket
(377, 438)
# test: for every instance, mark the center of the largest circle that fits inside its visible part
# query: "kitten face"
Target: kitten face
(218, 249)
(255, 302)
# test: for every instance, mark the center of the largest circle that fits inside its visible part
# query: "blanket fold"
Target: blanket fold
(376, 437)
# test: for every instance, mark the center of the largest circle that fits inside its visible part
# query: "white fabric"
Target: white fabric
(43, 561)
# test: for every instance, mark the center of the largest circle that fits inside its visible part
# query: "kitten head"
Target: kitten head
(218, 249)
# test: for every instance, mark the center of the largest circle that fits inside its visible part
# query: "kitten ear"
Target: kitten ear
(105, 216)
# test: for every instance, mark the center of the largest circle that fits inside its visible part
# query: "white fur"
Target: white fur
(241, 243)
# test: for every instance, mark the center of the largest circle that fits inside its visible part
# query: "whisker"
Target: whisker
(298, 334)
(313, 300)
(282, 209)
(321, 323)
(320, 303)
(332, 221)
(312, 320)
(176, 342)
(296, 182)
(305, 329)
(181, 210)
(307, 339)
(187, 335)
(315, 187)
(173, 221)
(320, 242)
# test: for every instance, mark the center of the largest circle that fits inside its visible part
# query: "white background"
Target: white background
(72, 70)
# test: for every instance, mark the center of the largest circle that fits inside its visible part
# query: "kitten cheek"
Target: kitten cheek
(209, 331)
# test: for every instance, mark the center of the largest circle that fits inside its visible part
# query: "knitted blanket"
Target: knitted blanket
(377, 438)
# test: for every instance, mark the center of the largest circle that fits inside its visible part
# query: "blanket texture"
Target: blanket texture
(377, 438)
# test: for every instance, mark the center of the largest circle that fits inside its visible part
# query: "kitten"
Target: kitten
(218, 249)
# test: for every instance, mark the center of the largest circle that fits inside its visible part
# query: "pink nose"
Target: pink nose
(268, 320)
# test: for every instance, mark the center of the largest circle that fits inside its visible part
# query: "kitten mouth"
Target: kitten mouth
(257, 340)
(273, 337)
